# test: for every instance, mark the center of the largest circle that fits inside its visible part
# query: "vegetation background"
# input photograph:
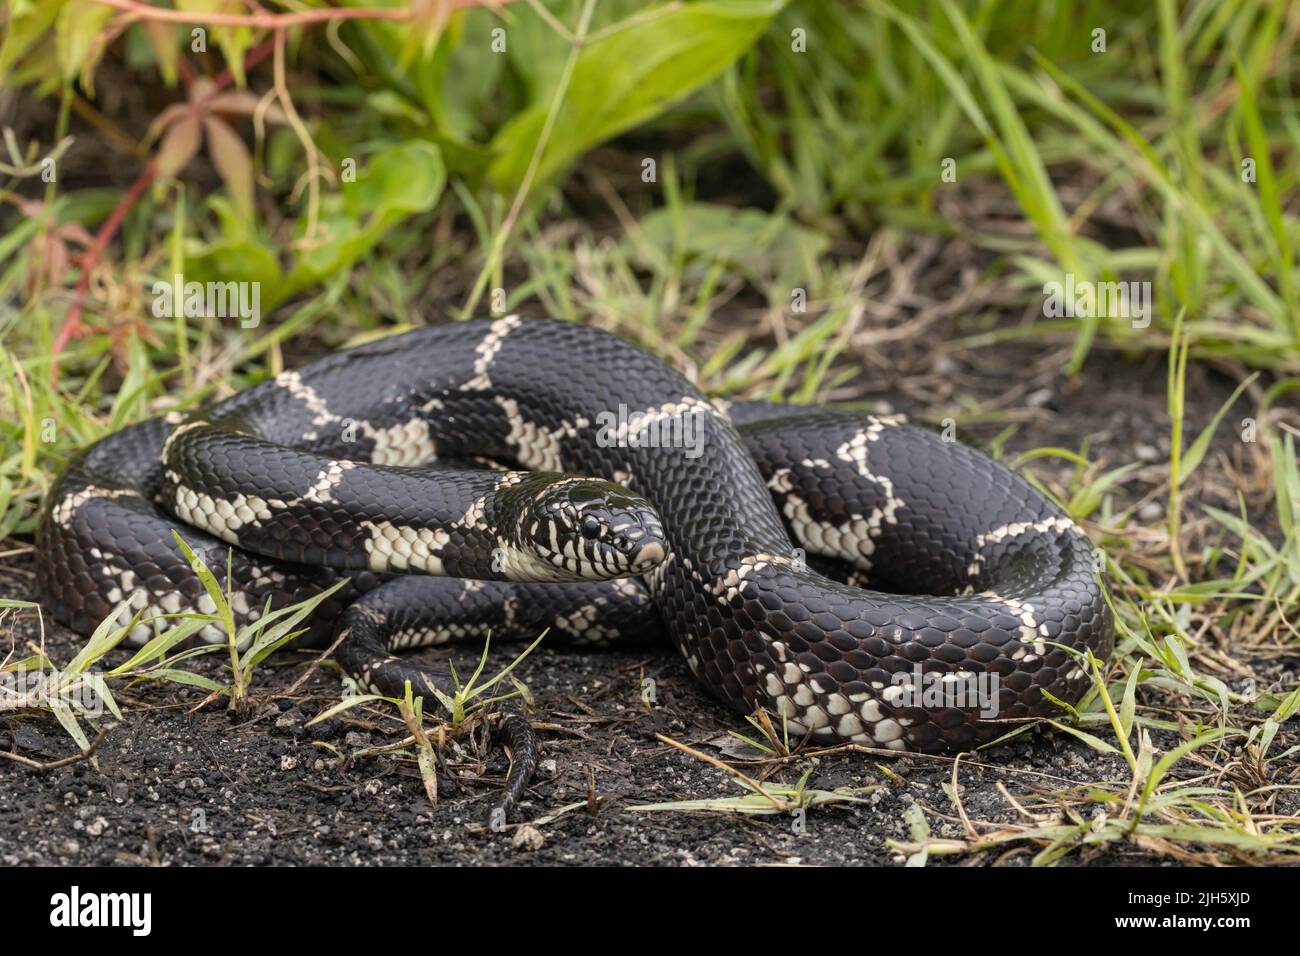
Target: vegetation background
(817, 201)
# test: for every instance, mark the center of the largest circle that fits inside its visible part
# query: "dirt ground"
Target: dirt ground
(176, 786)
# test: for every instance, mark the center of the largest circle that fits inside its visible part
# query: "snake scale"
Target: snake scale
(846, 572)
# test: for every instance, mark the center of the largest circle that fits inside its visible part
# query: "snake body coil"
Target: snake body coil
(688, 517)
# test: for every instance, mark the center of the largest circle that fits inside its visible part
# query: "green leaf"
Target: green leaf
(1286, 481)
(74, 40)
(27, 24)
(764, 246)
(97, 684)
(185, 677)
(920, 830)
(1165, 763)
(238, 260)
(69, 721)
(265, 639)
(1289, 706)
(1128, 703)
(233, 41)
(164, 43)
(1269, 198)
(1194, 454)
(346, 704)
(457, 85)
(160, 645)
(627, 76)
(1096, 743)
(106, 636)
(231, 157)
(210, 584)
(396, 183)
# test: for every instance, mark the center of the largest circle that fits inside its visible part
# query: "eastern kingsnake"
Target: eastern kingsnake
(359, 465)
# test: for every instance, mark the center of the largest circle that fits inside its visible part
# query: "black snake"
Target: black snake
(961, 590)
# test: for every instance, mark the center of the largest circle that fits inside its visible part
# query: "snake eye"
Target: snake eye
(590, 527)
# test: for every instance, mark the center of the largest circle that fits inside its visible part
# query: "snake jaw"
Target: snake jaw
(648, 556)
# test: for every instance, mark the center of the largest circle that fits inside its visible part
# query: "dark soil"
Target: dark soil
(175, 783)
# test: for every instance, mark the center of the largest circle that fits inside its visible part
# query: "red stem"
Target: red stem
(72, 324)
(265, 20)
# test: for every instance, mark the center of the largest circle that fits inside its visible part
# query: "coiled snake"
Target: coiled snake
(712, 524)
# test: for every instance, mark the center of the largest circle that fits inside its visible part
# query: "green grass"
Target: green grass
(467, 701)
(251, 644)
(794, 196)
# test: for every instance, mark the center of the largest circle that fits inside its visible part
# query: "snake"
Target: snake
(857, 578)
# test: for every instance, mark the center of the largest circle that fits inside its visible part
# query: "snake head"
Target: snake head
(589, 529)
